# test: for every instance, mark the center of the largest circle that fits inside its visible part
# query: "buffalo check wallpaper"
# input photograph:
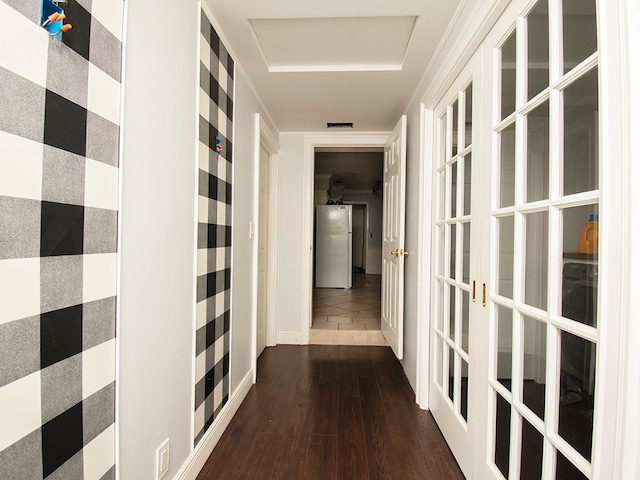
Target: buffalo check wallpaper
(214, 228)
(59, 129)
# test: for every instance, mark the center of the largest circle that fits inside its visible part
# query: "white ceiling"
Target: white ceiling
(333, 44)
(337, 59)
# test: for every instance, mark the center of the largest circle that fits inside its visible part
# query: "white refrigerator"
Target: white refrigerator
(333, 246)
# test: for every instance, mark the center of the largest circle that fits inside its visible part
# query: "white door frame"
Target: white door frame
(264, 137)
(311, 141)
(620, 103)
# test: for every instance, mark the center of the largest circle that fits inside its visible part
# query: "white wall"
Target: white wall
(290, 214)
(155, 329)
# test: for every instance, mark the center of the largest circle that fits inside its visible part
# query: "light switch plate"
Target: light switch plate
(162, 459)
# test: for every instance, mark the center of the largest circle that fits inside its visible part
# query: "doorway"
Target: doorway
(360, 235)
(347, 230)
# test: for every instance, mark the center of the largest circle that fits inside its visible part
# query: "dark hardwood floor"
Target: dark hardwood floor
(331, 412)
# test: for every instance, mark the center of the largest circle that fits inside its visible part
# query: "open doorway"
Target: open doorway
(360, 235)
(347, 244)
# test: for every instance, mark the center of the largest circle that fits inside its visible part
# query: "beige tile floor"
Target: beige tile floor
(348, 317)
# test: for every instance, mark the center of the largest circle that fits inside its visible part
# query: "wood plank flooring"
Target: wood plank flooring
(331, 412)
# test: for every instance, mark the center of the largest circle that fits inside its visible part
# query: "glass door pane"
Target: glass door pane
(504, 346)
(581, 134)
(534, 362)
(538, 153)
(538, 49)
(536, 260)
(579, 31)
(508, 84)
(505, 256)
(507, 166)
(576, 383)
(532, 448)
(502, 434)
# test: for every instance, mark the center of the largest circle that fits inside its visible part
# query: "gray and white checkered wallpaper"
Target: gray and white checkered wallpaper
(59, 128)
(214, 229)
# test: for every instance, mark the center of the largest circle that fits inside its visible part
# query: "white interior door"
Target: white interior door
(263, 253)
(456, 348)
(393, 253)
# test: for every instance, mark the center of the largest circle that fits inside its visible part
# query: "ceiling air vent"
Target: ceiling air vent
(339, 124)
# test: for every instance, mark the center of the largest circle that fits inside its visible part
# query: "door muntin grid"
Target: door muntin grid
(544, 289)
(452, 250)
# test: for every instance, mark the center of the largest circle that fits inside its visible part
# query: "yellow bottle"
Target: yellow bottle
(589, 240)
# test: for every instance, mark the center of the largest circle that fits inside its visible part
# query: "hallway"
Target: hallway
(330, 412)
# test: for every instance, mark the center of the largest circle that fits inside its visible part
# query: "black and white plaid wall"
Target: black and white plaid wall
(214, 229)
(59, 128)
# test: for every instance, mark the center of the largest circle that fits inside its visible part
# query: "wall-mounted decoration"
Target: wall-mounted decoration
(52, 19)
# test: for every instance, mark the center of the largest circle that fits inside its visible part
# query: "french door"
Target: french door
(517, 194)
(457, 228)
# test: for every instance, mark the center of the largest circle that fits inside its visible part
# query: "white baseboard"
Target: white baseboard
(192, 467)
(289, 338)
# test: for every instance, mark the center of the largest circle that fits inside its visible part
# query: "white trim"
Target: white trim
(441, 70)
(194, 463)
(196, 179)
(254, 234)
(620, 101)
(125, 44)
(289, 338)
(268, 137)
(423, 377)
(272, 323)
(312, 140)
(232, 248)
(462, 6)
(337, 132)
(334, 68)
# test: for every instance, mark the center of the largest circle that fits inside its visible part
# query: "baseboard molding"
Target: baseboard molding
(201, 453)
(289, 338)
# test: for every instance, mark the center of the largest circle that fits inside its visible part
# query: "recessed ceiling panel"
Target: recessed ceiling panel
(334, 44)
